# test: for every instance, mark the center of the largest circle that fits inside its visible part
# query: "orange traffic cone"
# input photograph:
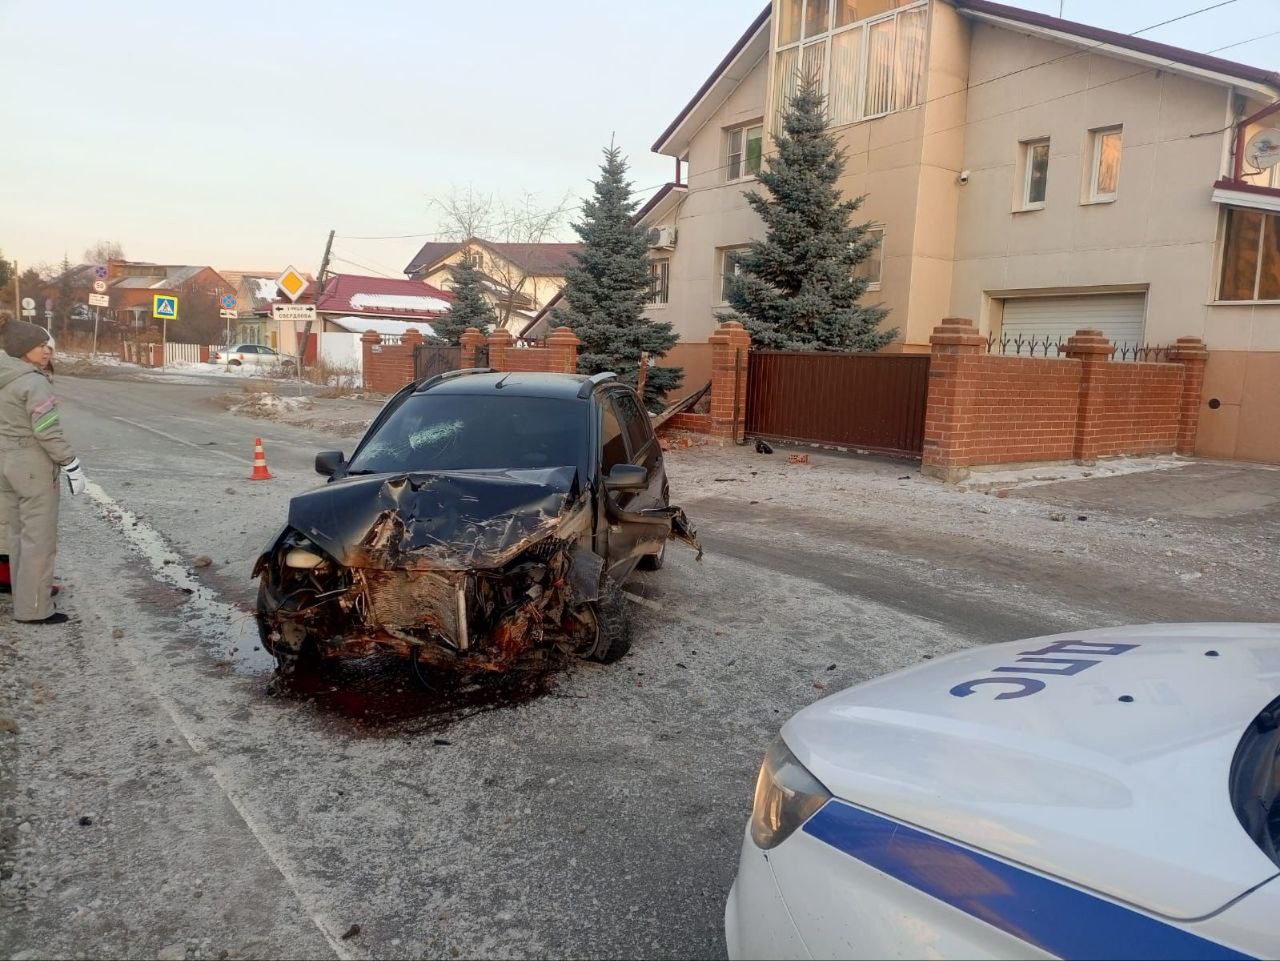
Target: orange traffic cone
(260, 471)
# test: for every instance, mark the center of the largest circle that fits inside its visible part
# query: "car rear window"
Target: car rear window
(476, 432)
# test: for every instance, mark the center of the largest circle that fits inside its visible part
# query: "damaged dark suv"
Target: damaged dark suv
(484, 517)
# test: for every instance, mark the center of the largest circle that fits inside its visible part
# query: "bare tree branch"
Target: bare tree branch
(103, 251)
(465, 213)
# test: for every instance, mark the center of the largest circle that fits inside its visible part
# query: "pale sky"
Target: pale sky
(236, 134)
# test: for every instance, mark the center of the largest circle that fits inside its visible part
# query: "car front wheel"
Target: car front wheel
(612, 623)
(233, 363)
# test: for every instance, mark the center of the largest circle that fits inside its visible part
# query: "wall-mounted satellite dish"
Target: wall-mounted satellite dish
(1263, 149)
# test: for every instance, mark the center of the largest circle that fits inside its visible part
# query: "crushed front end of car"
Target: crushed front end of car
(466, 570)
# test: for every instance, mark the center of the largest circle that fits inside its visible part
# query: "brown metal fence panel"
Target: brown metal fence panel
(870, 401)
(429, 360)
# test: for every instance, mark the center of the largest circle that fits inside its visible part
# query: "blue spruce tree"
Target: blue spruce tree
(469, 309)
(796, 289)
(605, 293)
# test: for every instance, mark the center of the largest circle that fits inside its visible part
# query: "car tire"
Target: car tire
(289, 663)
(654, 562)
(613, 623)
(233, 363)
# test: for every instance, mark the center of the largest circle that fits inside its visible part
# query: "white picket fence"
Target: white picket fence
(187, 353)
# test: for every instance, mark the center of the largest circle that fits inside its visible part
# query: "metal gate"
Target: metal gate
(431, 359)
(869, 401)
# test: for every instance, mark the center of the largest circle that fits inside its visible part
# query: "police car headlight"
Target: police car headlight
(786, 796)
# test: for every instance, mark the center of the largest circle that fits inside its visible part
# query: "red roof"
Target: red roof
(358, 295)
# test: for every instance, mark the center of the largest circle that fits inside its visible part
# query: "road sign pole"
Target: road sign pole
(164, 340)
(17, 292)
(96, 312)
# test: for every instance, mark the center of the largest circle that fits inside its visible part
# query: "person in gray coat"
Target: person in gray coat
(34, 460)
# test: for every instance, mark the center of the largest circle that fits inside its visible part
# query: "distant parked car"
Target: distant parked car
(255, 355)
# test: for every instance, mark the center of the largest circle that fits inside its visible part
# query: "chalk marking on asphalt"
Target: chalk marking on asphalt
(184, 441)
(151, 546)
(663, 609)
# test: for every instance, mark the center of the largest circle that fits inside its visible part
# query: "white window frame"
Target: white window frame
(877, 229)
(741, 130)
(1096, 136)
(1220, 261)
(860, 82)
(1027, 148)
(661, 294)
(722, 255)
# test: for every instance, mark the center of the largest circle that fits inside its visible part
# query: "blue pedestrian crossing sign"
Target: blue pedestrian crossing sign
(164, 307)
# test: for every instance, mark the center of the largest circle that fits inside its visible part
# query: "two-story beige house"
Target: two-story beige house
(1032, 173)
(519, 279)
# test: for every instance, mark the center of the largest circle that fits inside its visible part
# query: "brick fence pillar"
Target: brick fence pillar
(730, 345)
(470, 341)
(951, 395)
(500, 342)
(1093, 350)
(368, 341)
(563, 344)
(1191, 353)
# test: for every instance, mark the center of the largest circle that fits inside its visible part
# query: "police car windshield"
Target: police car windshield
(1255, 781)
(476, 432)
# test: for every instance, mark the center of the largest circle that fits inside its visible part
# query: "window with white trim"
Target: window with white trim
(1035, 173)
(867, 55)
(1250, 256)
(730, 267)
(1104, 176)
(870, 268)
(744, 150)
(660, 277)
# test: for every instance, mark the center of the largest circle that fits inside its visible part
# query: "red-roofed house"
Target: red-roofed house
(1032, 173)
(519, 278)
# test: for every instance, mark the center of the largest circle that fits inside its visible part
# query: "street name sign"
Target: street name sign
(164, 307)
(293, 311)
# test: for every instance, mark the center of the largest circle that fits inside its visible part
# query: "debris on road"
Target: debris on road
(351, 932)
(204, 560)
(1057, 516)
(762, 447)
(797, 458)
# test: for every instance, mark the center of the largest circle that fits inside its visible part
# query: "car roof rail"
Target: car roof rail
(595, 380)
(450, 375)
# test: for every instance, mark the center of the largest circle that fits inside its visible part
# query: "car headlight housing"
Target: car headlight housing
(786, 796)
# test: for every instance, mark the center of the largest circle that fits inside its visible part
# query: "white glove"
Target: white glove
(75, 476)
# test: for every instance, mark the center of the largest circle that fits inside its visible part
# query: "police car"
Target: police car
(1100, 794)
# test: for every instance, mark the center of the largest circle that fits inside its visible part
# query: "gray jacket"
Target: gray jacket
(29, 410)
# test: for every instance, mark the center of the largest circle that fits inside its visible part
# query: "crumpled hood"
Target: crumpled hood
(450, 520)
(1026, 750)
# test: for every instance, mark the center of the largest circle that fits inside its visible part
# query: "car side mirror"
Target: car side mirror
(626, 477)
(329, 462)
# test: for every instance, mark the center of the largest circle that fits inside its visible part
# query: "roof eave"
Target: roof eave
(661, 203)
(1175, 59)
(751, 46)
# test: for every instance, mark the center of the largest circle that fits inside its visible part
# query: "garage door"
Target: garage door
(1119, 316)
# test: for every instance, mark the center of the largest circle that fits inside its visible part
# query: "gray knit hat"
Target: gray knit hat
(19, 338)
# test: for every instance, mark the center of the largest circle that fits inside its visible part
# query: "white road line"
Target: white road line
(151, 546)
(184, 441)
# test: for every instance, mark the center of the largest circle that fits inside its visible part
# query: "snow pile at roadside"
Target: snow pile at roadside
(268, 405)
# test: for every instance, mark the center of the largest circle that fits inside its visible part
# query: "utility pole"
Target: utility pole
(306, 329)
(17, 293)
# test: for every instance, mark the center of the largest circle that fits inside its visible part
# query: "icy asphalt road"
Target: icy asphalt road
(602, 819)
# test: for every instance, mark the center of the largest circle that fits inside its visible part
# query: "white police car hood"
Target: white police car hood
(1032, 751)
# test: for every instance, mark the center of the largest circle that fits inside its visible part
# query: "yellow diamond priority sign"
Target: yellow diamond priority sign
(292, 283)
